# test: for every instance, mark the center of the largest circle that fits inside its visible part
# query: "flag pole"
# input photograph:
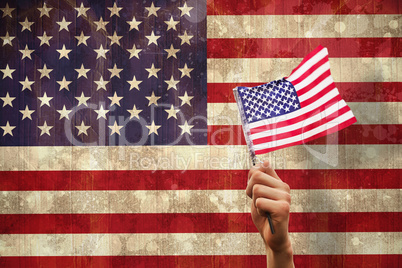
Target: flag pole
(271, 225)
(248, 141)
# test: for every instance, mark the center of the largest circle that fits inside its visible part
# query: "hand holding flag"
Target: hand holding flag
(271, 196)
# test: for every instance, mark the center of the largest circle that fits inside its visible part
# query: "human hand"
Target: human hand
(271, 195)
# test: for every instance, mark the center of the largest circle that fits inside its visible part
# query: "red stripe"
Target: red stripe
(226, 135)
(193, 179)
(342, 179)
(354, 134)
(126, 223)
(347, 261)
(297, 119)
(305, 7)
(350, 91)
(134, 261)
(117, 180)
(299, 47)
(346, 222)
(308, 57)
(318, 135)
(193, 223)
(302, 129)
(257, 261)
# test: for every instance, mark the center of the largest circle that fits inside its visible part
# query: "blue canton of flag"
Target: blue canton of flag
(102, 73)
(273, 99)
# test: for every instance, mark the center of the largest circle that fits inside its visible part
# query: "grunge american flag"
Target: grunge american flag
(116, 204)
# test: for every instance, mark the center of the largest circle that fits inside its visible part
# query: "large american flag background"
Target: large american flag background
(121, 143)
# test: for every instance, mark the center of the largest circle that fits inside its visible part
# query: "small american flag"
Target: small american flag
(293, 110)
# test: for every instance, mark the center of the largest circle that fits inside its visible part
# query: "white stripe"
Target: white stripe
(263, 70)
(308, 64)
(366, 113)
(276, 131)
(185, 244)
(305, 135)
(318, 103)
(214, 157)
(315, 90)
(302, 26)
(192, 201)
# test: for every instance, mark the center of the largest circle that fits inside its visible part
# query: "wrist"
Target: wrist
(280, 257)
(284, 248)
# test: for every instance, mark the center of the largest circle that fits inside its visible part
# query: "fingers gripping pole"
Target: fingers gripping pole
(271, 225)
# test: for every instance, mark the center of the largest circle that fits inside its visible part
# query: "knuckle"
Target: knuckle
(254, 175)
(258, 203)
(256, 190)
(286, 187)
(285, 207)
(252, 172)
(287, 198)
(247, 193)
(257, 173)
